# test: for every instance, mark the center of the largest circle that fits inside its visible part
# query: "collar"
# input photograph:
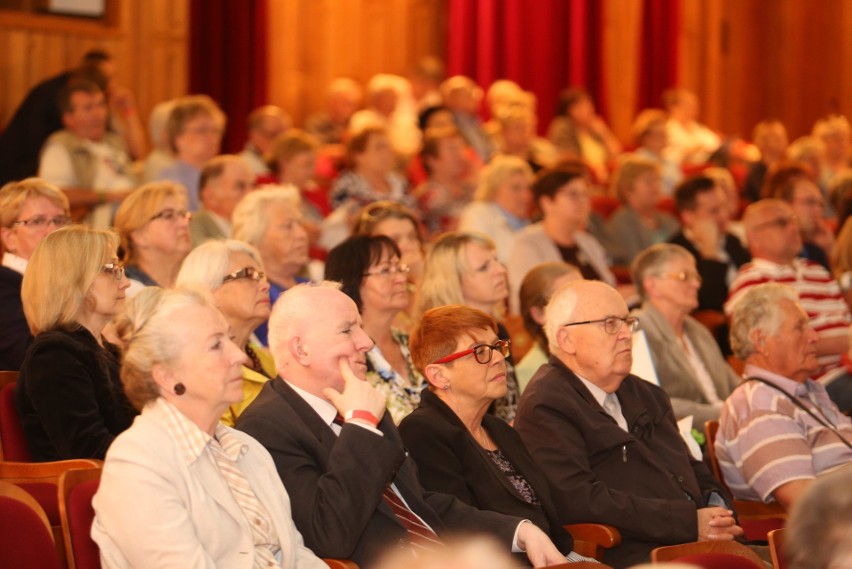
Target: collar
(12, 261)
(514, 221)
(191, 440)
(323, 408)
(789, 385)
(598, 393)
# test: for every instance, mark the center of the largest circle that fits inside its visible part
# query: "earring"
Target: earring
(179, 388)
(446, 386)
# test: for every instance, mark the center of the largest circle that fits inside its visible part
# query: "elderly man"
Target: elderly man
(354, 489)
(265, 124)
(775, 243)
(778, 430)
(224, 181)
(607, 440)
(86, 160)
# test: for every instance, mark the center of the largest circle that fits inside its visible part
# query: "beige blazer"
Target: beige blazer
(153, 509)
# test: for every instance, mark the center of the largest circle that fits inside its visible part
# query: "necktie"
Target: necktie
(613, 409)
(419, 534)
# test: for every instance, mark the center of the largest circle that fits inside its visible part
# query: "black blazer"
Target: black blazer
(642, 481)
(15, 337)
(335, 482)
(70, 397)
(449, 460)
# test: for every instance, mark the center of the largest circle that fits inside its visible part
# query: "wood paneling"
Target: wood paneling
(148, 39)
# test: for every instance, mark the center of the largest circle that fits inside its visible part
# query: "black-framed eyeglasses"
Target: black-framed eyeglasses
(117, 270)
(40, 221)
(682, 276)
(400, 269)
(172, 214)
(482, 352)
(611, 324)
(778, 223)
(246, 273)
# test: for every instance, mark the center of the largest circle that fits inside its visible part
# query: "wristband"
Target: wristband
(363, 415)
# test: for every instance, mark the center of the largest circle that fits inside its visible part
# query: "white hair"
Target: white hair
(207, 264)
(758, 309)
(250, 216)
(558, 311)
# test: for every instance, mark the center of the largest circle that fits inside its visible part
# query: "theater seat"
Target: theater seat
(25, 536)
(13, 444)
(710, 555)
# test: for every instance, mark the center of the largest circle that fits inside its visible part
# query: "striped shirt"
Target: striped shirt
(765, 440)
(819, 296)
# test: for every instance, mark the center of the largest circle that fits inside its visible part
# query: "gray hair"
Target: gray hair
(652, 260)
(250, 219)
(207, 264)
(758, 309)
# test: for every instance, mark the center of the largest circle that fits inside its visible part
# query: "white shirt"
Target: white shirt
(613, 408)
(12, 261)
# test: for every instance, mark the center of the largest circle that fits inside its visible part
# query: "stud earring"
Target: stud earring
(180, 388)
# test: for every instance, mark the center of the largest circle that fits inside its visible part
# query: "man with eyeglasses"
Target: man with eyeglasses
(29, 211)
(354, 490)
(776, 243)
(607, 440)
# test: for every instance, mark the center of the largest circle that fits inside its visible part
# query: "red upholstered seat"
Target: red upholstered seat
(25, 536)
(77, 487)
(718, 561)
(13, 444)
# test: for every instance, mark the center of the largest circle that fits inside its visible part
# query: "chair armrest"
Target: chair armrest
(340, 563)
(592, 539)
(752, 510)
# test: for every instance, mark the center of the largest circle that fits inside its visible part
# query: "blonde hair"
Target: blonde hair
(630, 168)
(137, 209)
(146, 329)
(445, 264)
(14, 195)
(250, 217)
(60, 273)
(207, 264)
(497, 172)
(645, 121)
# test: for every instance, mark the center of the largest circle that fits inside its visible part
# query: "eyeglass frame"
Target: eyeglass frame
(505, 347)
(682, 276)
(39, 220)
(171, 214)
(245, 273)
(119, 271)
(631, 321)
(400, 269)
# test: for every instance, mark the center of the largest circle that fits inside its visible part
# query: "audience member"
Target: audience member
(819, 532)
(463, 268)
(343, 97)
(638, 223)
(233, 273)
(270, 220)
(779, 429)
(68, 394)
(425, 78)
(517, 135)
(458, 448)
(161, 156)
(225, 180)
(84, 158)
(689, 365)
(292, 159)
(690, 142)
(724, 180)
(399, 223)
(775, 243)
(840, 196)
(371, 274)
(793, 185)
(29, 211)
(463, 97)
(346, 506)
(447, 190)
(562, 195)
(770, 137)
(201, 493)
(502, 204)
(652, 140)
(810, 150)
(536, 289)
(579, 132)
(836, 135)
(607, 440)
(265, 124)
(195, 130)
(153, 225)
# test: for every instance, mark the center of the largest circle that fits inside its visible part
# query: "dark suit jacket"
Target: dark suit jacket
(336, 483)
(15, 335)
(714, 288)
(643, 481)
(449, 460)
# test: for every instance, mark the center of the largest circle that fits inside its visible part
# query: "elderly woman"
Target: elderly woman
(371, 273)
(29, 211)
(686, 357)
(458, 448)
(502, 203)
(535, 293)
(233, 272)
(638, 223)
(68, 394)
(563, 195)
(651, 139)
(270, 220)
(194, 128)
(292, 159)
(370, 177)
(153, 224)
(462, 268)
(399, 223)
(180, 489)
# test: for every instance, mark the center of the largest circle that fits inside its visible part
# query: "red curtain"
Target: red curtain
(658, 64)
(544, 46)
(228, 59)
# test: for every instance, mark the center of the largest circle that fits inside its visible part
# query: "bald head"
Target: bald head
(773, 231)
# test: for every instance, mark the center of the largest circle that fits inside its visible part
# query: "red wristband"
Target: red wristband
(363, 415)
